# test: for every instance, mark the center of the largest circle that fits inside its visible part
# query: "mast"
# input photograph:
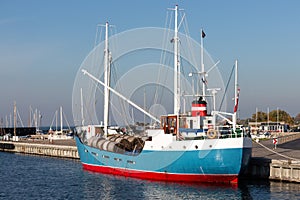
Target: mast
(56, 117)
(40, 119)
(29, 123)
(61, 120)
(106, 80)
(176, 66)
(256, 127)
(6, 120)
(15, 118)
(36, 119)
(277, 119)
(202, 65)
(235, 96)
(144, 108)
(81, 106)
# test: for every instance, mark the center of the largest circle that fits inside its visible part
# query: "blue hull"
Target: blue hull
(214, 165)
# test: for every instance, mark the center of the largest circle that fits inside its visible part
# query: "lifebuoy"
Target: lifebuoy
(211, 133)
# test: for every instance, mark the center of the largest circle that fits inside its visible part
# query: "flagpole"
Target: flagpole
(256, 111)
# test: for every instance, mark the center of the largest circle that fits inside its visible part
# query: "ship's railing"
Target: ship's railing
(219, 132)
(228, 132)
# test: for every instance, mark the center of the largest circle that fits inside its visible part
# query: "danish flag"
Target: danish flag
(237, 101)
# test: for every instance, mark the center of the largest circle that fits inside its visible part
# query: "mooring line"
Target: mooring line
(277, 152)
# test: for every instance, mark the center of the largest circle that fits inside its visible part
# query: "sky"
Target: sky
(43, 43)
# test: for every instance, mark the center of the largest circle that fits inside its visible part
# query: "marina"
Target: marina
(168, 101)
(282, 164)
(48, 174)
(198, 140)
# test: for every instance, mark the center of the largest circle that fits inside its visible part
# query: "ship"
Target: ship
(193, 146)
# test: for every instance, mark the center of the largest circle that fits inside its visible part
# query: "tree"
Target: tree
(297, 119)
(275, 115)
(280, 115)
(259, 116)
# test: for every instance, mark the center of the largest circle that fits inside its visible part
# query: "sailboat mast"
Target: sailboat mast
(106, 79)
(29, 124)
(56, 117)
(15, 119)
(61, 120)
(176, 66)
(36, 119)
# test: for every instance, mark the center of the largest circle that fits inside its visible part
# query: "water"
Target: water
(35, 177)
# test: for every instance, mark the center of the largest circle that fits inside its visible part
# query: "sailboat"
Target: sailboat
(60, 133)
(187, 147)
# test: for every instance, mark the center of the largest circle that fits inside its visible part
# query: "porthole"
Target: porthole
(131, 162)
(95, 154)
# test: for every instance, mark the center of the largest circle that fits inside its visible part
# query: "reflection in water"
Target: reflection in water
(108, 186)
(281, 190)
(36, 177)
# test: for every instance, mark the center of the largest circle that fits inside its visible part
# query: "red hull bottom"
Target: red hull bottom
(157, 176)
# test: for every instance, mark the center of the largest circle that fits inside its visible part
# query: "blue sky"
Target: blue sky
(43, 43)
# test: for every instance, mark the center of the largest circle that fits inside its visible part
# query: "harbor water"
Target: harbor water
(37, 177)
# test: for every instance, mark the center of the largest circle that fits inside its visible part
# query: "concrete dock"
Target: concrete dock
(58, 148)
(281, 163)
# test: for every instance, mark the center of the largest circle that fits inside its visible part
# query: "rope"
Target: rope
(277, 152)
(226, 88)
(162, 77)
(114, 71)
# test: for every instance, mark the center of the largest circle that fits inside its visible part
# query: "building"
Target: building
(270, 126)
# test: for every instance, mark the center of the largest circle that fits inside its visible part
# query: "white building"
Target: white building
(270, 126)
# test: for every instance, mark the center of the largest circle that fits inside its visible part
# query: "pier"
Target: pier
(59, 148)
(279, 163)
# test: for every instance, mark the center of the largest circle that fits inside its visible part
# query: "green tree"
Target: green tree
(280, 115)
(275, 115)
(259, 116)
